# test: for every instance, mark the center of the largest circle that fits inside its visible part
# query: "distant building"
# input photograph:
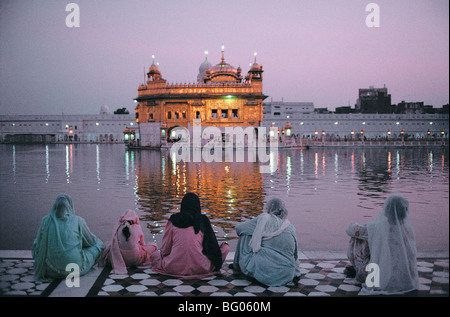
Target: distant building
(345, 109)
(374, 100)
(286, 110)
(87, 128)
(343, 125)
(411, 107)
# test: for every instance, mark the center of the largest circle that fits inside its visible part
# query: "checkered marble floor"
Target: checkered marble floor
(17, 279)
(319, 278)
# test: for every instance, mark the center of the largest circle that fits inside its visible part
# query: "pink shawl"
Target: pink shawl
(112, 251)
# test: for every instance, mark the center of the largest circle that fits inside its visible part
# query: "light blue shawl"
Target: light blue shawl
(267, 247)
(64, 238)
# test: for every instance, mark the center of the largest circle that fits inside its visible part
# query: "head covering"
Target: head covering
(112, 251)
(61, 214)
(63, 207)
(190, 215)
(392, 247)
(270, 224)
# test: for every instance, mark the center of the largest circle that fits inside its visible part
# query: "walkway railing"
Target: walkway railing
(371, 143)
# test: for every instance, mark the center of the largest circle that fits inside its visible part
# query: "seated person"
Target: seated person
(267, 247)
(390, 243)
(64, 238)
(127, 247)
(189, 246)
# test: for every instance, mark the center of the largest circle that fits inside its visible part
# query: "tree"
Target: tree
(122, 111)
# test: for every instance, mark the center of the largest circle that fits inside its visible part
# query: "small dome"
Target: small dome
(204, 66)
(104, 109)
(223, 68)
(202, 70)
(153, 69)
(154, 73)
(255, 67)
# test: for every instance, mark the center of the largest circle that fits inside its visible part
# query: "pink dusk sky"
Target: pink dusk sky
(311, 50)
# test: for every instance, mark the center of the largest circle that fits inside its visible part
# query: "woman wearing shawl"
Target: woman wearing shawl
(388, 242)
(127, 247)
(267, 247)
(189, 246)
(64, 238)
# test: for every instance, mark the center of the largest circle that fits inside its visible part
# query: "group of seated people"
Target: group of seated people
(266, 248)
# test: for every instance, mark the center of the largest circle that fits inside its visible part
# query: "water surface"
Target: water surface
(324, 190)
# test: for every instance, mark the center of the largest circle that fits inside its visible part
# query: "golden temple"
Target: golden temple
(221, 97)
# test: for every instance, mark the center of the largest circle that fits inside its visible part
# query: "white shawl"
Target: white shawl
(267, 226)
(392, 247)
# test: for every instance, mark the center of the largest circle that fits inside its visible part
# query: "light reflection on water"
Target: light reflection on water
(324, 189)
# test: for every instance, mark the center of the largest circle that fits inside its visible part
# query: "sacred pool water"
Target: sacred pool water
(324, 190)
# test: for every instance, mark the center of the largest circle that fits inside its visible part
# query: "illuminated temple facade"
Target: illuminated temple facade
(221, 97)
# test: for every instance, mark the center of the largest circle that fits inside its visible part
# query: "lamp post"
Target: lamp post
(352, 134)
(442, 136)
(315, 134)
(323, 136)
(403, 136)
(362, 136)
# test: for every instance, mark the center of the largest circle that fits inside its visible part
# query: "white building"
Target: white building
(102, 128)
(305, 122)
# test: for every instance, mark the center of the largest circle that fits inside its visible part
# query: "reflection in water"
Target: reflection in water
(14, 163)
(68, 162)
(234, 192)
(97, 161)
(229, 191)
(324, 189)
(47, 165)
